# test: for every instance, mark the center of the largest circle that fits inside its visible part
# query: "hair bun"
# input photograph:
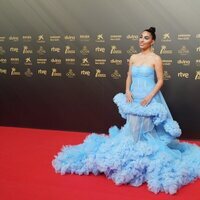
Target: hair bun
(152, 29)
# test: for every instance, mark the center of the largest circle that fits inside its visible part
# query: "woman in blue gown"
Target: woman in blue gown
(146, 148)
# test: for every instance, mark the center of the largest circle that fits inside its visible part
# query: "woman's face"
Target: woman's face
(145, 40)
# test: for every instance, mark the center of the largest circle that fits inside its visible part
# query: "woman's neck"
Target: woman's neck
(146, 51)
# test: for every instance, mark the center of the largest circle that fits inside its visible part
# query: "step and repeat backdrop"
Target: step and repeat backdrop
(61, 62)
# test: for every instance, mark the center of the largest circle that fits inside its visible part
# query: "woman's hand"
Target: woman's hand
(129, 96)
(146, 100)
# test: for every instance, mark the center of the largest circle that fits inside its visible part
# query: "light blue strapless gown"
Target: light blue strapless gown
(145, 149)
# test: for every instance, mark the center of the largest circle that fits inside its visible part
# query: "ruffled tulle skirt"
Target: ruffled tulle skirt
(145, 149)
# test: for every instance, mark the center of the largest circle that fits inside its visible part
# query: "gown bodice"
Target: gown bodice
(143, 81)
(143, 72)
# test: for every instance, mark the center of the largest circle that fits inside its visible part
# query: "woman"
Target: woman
(145, 149)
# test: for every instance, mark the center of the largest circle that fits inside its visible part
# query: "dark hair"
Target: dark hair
(152, 30)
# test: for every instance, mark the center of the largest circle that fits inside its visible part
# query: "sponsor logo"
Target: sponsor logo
(183, 75)
(85, 73)
(12, 49)
(164, 50)
(198, 49)
(54, 72)
(100, 49)
(197, 62)
(13, 38)
(26, 50)
(183, 50)
(2, 51)
(183, 62)
(3, 71)
(166, 38)
(70, 74)
(100, 61)
(100, 38)
(14, 60)
(70, 61)
(55, 49)
(116, 74)
(26, 38)
(115, 50)
(42, 72)
(166, 75)
(197, 76)
(167, 62)
(184, 36)
(68, 50)
(132, 37)
(116, 62)
(131, 50)
(99, 74)
(28, 61)
(3, 60)
(55, 38)
(85, 62)
(28, 73)
(41, 60)
(115, 37)
(56, 61)
(40, 39)
(2, 38)
(70, 38)
(14, 72)
(84, 37)
(41, 51)
(84, 50)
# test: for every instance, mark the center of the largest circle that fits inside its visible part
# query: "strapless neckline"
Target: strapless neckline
(138, 66)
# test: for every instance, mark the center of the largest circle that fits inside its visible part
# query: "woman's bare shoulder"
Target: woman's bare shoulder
(132, 59)
(134, 56)
(156, 57)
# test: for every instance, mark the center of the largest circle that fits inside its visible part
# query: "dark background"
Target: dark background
(85, 103)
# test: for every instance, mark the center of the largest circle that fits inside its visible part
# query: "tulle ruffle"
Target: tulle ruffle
(120, 159)
(155, 110)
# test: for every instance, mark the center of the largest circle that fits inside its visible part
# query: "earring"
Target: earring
(152, 48)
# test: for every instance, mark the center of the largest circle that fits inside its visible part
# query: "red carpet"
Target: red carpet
(26, 172)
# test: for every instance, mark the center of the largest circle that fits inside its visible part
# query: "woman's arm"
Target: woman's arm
(129, 80)
(159, 74)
